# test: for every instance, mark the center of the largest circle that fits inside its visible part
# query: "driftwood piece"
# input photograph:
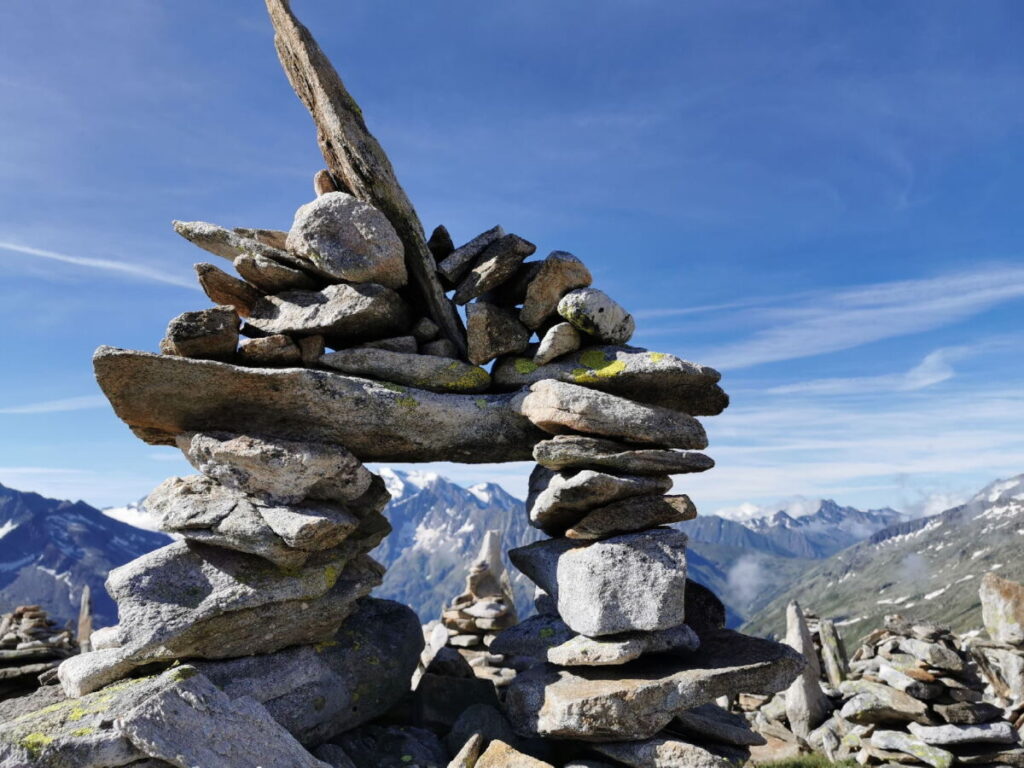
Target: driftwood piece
(356, 160)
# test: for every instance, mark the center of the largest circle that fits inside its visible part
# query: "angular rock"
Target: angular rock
(636, 514)
(346, 239)
(320, 691)
(275, 238)
(559, 500)
(637, 700)
(424, 330)
(968, 713)
(440, 243)
(568, 452)
(512, 292)
(375, 746)
(654, 378)
(440, 348)
(557, 408)
(343, 313)
(666, 752)
(493, 331)
(406, 344)
(210, 334)
(933, 654)
(271, 276)
(434, 374)
(224, 289)
(559, 273)
(161, 396)
(500, 755)
(704, 611)
(548, 638)
(833, 653)
(903, 742)
(455, 265)
(277, 350)
(986, 754)
(468, 756)
(711, 722)
(284, 471)
(498, 262)
(595, 313)
(806, 705)
(1002, 609)
(230, 244)
(311, 347)
(560, 339)
(875, 703)
(635, 582)
(926, 691)
(948, 735)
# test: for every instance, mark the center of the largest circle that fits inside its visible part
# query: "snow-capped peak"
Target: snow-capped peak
(795, 507)
(133, 514)
(1011, 488)
(482, 491)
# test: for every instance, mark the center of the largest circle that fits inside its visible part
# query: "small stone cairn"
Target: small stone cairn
(31, 645)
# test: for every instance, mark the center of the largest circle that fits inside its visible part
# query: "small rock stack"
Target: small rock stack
(1000, 659)
(31, 646)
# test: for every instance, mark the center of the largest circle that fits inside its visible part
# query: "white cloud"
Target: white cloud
(57, 406)
(128, 268)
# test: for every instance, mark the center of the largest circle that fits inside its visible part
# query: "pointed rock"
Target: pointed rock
(209, 334)
(440, 243)
(230, 244)
(454, 266)
(222, 288)
(496, 264)
(492, 331)
(806, 705)
(272, 276)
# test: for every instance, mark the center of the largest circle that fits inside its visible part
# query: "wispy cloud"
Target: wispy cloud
(127, 268)
(57, 406)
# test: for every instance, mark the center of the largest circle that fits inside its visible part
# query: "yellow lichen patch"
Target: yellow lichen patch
(481, 402)
(35, 743)
(392, 387)
(77, 713)
(323, 646)
(331, 574)
(83, 731)
(407, 402)
(473, 378)
(524, 366)
(656, 357)
(597, 366)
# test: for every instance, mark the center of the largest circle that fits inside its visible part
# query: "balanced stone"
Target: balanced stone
(456, 264)
(636, 700)
(557, 408)
(1002, 609)
(270, 350)
(550, 639)
(667, 752)
(348, 313)
(492, 331)
(567, 452)
(224, 289)
(557, 500)
(595, 313)
(210, 334)
(230, 244)
(496, 264)
(271, 276)
(635, 582)
(560, 339)
(655, 378)
(559, 273)
(347, 239)
(948, 735)
(635, 514)
(440, 243)
(435, 374)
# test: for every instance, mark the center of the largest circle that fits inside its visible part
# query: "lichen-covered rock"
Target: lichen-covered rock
(271, 276)
(637, 700)
(664, 751)
(209, 334)
(909, 745)
(224, 289)
(498, 262)
(557, 408)
(635, 582)
(595, 313)
(635, 514)
(455, 265)
(560, 339)
(285, 471)
(559, 273)
(435, 374)
(492, 331)
(874, 703)
(347, 239)
(1002, 609)
(655, 378)
(568, 452)
(343, 313)
(948, 735)
(548, 638)
(270, 350)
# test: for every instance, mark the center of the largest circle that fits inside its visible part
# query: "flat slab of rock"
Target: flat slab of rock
(558, 408)
(637, 700)
(343, 313)
(209, 334)
(435, 374)
(346, 239)
(711, 722)
(948, 735)
(230, 244)
(496, 264)
(655, 378)
(629, 583)
(455, 265)
(666, 752)
(903, 742)
(161, 396)
(875, 703)
(558, 500)
(567, 452)
(548, 638)
(595, 313)
(968, 713)
(277, 350)
(1002, 609)
(493, 331)
(635, 514)
(271, 276)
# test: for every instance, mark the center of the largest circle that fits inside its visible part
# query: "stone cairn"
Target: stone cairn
(912, 695)
(339, 343)
(31, 645)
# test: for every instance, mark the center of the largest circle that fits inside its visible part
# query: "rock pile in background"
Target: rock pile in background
(31, 646)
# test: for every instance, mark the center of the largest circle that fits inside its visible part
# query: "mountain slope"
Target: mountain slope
(927, 568)
(49, 549)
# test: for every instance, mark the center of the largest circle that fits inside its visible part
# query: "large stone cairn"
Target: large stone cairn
(31, 645)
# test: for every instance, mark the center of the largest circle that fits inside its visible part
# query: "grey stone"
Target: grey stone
(875, 703)
(918, 689)
(347, 239)
(501, 755)
(986, 754)
(275, 238)
(230, 244)
(333, 755)
(704, 611)
(1002, 609)
(343, 313)
(311, 347)
(636, 514)
(548, 638)
(161, 396)
(224, 289)
(483, 719)
(187, 600)
(637, 700)
(469, 754)
(560, 339)
(903, 742)
(595, 313)
(448, 662)
(376, 746)
(434, 374)
(272, 276)
(635, 582)
(285, 471)
(559, 273)
(512, 292)
(557, 501)
(806, 705)
(654, 378)
(440, 348)
(456, 264)
(320, 691)
(833, 653)
(934, 655)
(405, 344)
(557, 407)
(948, 735)
(440, 243)
(711, 722)
(210, 334)
(270, 350)
(968, 713)
(667, 752)
(498, 262)
(441, 702)
(492, 331)
(424, 330)
(567, 452)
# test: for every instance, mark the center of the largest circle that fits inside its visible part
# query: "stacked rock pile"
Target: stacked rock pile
(31, 645)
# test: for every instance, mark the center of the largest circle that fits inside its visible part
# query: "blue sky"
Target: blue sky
(823, 200)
